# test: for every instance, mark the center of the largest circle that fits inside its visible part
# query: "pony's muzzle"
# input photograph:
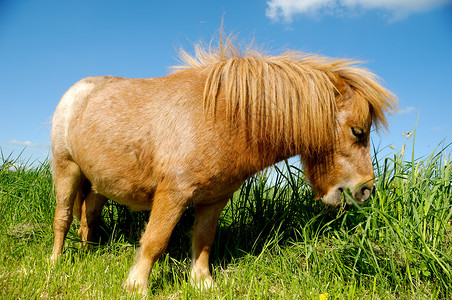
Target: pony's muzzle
(359, 194)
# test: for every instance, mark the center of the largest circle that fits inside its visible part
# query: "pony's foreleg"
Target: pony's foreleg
(206, 219)
(67, 179)
(167, 208)
(91, 209)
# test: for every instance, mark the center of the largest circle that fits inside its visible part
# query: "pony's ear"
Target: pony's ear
(343, 92)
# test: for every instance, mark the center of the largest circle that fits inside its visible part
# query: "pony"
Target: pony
(195, 135)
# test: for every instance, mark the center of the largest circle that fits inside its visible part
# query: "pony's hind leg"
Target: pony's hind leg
(90, 211)
(167, 208)
(67, 180)
(206, 219)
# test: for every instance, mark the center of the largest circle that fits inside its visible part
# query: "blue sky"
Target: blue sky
(46, 46)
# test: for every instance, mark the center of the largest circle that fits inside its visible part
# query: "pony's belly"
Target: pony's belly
(145, 204)
(122, 184)
(136, 198)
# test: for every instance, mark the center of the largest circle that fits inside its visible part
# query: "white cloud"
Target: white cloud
(406, 110)
(27, 144)
(23, 143)
(439, 128)
(397, 9)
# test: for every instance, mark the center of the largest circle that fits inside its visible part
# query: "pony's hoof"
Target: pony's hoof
(132, 286)
(204, 284)
(54, 258)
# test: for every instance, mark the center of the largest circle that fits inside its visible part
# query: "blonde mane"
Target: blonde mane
(290, 97)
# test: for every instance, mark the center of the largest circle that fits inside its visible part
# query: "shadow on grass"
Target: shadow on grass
(261, 210)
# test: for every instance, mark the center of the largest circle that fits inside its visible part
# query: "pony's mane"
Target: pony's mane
(290, 97)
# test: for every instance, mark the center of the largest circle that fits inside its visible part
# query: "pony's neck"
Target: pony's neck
(265, 154)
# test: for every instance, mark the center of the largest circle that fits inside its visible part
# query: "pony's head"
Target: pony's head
(344, 168)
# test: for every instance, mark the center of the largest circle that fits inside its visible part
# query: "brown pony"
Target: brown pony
(195, 135)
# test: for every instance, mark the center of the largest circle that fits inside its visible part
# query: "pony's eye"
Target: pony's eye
(357, 132)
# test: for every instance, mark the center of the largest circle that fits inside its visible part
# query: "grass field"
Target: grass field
(273, 241)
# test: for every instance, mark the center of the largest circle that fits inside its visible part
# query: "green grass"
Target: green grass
(274, 241)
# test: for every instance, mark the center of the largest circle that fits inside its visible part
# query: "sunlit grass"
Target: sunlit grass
(274, 240)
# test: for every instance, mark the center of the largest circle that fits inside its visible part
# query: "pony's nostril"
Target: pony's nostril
(362, 193)
(365, 192)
